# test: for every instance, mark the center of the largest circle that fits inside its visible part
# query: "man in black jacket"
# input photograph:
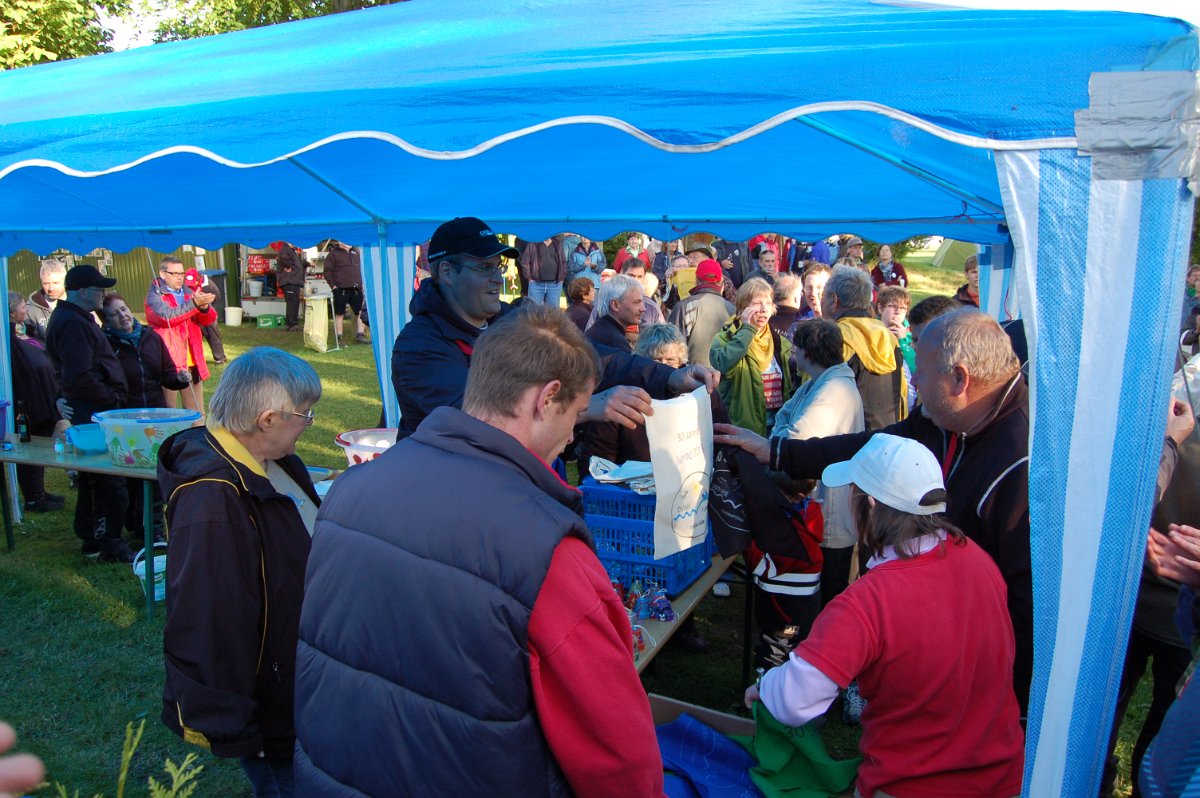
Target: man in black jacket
(290, 271)
(91, 381)
(974, 416)
(449, 311)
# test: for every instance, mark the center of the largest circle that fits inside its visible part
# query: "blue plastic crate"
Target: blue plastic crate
(622, 525)
(615, 501)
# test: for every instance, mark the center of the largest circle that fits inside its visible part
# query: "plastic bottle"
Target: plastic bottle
(23, 432)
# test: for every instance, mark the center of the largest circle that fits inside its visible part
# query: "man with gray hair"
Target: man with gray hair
(618, 307)
(42, 303)
(240, 508)
(871, 350)
(974, 416)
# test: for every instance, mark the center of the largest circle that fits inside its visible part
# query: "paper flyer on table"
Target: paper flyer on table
(681, 450)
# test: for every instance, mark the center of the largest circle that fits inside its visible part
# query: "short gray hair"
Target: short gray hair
(653, 340)
(51, 266)
(851, 286)
(614, 289)
(14, 298)
(786, 286)
(973, 339)
(263, 378)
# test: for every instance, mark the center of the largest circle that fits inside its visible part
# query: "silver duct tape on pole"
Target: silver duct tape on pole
(1142, 126)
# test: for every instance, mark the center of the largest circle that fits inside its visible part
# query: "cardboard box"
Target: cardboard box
(665, 710)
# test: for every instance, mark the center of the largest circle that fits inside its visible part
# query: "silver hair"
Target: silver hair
(973, 339)
(51, 266)
(851, 286)
(263, 378)
(14, 298)
(614, 289)
(656, 338)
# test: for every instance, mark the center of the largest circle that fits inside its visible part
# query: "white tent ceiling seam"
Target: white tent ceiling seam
(955, 137)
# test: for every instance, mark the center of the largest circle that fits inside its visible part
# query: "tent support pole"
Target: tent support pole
(315, 176)
(902, 165)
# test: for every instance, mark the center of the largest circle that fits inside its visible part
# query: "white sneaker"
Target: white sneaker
(721, 590)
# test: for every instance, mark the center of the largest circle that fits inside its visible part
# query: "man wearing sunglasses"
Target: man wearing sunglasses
(462, 295)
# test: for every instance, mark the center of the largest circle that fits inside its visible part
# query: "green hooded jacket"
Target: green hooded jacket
(741, 385)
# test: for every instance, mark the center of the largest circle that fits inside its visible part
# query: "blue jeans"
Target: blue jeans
(270, 778)
(544, 293)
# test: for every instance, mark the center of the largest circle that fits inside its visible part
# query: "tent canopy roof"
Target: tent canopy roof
(409, 114)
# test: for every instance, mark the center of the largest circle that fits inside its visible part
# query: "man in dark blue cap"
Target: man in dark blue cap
(462, 295)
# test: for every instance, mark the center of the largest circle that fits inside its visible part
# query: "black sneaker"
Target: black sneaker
(361, 339)
(45, 504)
(115, 550)
(90, 549)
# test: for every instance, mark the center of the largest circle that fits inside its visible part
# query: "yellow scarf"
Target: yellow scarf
(762, 349)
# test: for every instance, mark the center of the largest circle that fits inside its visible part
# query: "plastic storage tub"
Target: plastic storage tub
(134, 436)
(362, 445)
(622, 526)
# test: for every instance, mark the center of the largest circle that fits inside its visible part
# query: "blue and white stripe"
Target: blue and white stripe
(1101, 332)
(388, 275)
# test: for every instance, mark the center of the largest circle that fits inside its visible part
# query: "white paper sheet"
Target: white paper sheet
(681, 450)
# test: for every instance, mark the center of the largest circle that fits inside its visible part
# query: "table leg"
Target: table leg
(748, 629)
(8, 523)
(148, 542)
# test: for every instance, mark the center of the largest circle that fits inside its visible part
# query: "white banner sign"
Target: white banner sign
(681, 451)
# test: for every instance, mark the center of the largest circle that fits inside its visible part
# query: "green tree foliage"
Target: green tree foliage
(170, 20)
(37, 31)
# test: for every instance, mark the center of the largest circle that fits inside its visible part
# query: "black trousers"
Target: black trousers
(32, 479)
(1167, 664)
(100, 509)
(835, 572)
(212, 334)
(291, 296)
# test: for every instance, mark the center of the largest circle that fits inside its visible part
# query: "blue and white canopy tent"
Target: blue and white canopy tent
(1066, 139)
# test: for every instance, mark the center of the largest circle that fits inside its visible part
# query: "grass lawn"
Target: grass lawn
(78, 660)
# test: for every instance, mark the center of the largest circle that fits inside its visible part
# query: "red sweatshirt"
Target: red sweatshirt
(589, 699)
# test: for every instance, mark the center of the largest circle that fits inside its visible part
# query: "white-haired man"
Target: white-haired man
(53, 273)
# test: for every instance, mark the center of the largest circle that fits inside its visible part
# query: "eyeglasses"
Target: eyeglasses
(486, 269)
(308, 417)
(174, 274)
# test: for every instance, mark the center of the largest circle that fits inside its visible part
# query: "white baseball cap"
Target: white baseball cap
(892, 470)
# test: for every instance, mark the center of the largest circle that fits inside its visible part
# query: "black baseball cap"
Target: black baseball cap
(467, 235)
(87, 276)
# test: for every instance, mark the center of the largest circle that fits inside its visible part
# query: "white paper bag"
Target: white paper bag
(681, 450)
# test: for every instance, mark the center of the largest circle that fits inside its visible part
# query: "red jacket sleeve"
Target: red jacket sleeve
(590, 702)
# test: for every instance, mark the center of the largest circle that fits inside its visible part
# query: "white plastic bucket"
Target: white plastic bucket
(160, 571)
(255, 287)
(233, 317)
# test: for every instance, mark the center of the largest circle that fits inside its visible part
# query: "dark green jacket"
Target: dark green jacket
(741, 385)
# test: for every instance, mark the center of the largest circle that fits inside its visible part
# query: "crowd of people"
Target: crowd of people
(79, 350)
(341, 647)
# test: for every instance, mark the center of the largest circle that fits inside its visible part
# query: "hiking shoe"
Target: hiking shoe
(115, 550)
(361, 338)
(853, 705)
(46, 504)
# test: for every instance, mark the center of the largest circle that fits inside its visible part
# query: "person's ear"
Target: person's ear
(960, 380)
(266, 419)
(546, 396)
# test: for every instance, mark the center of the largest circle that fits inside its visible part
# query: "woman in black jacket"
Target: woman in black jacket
(34, 390)
(143, 356)
(148, 368)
